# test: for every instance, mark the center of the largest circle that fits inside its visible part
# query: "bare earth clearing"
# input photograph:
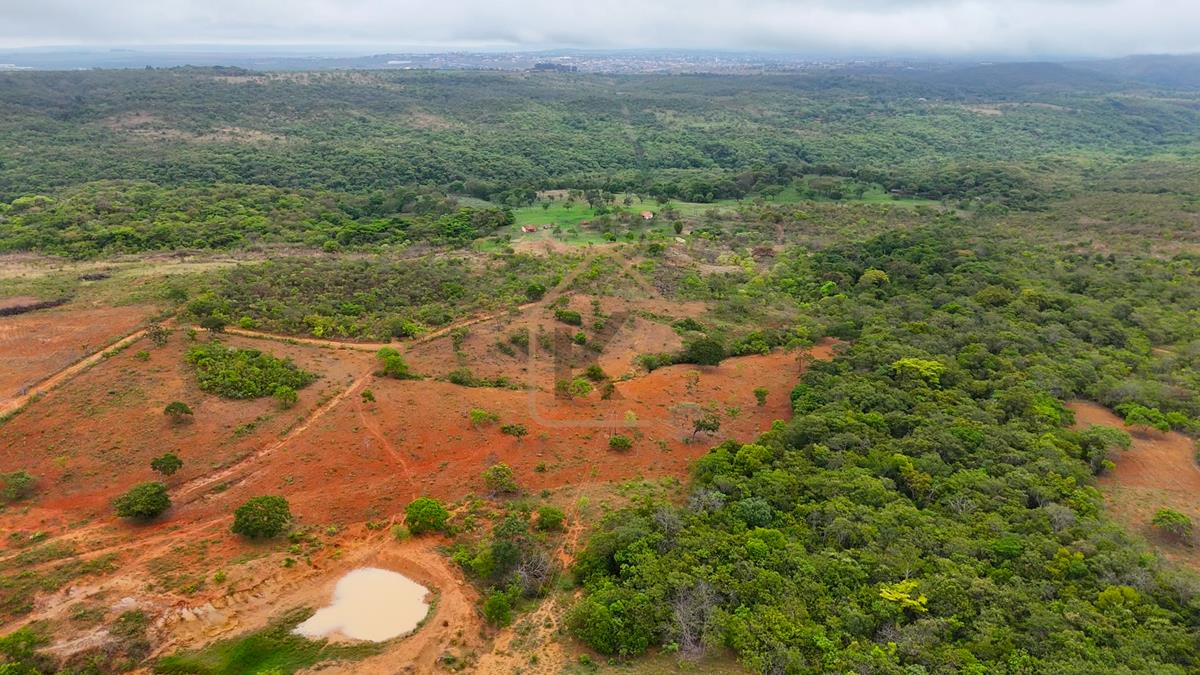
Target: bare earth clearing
(1159, 470)
(343, 461)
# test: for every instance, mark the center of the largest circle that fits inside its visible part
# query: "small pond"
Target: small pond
(370, 604)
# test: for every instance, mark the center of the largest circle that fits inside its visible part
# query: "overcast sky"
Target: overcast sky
(1017, 28)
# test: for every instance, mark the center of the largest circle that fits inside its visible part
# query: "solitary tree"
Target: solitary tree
(285, 396)
(704, 352)
(425, 514)
(393, 365)
(143, 501)
(262, 517)
(166, 464)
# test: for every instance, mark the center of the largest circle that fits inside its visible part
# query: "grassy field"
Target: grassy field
(569, 215)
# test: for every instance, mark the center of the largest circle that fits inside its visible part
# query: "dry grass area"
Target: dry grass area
(36, 345)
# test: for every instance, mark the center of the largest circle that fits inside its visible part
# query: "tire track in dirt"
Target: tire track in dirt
(81, 534)
(312, 342)
(186, 490)
(570, 544)
(373, 428)
(52, 382)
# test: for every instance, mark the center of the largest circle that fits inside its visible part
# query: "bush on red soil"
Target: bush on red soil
(425, 514)
(262, 517)
(144, 501)
(166, 464)
(244, 373)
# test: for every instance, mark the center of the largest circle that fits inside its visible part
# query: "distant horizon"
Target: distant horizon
(350, 50)
(995, 29)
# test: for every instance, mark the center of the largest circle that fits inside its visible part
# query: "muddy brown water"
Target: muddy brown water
(370, 603)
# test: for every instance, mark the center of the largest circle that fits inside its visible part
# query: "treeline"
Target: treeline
(928, 507)
(375, 298)
(129, 217)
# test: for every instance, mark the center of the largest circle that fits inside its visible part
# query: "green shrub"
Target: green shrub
(1140, 416)
(285, 396)
(178, 411)
(754, 343)
(517, 430)
(551, 518)
(498, 606)
(480, 417)
(1174, 523)
(652, 362)
(158, 334)
(143, 501)
(595, 373)
(616, 621)
(535, 291)
(244, 373)
(463, 377)
(577, 387)
(708, 423)
(520, 339)
(760, 395)
(404, 328)
(620, 443)
(262, 517)
(569, 317)
(425, 514)
(703, 352)
(500, 479)
(393, 365)
(166, 464)
(17, 485)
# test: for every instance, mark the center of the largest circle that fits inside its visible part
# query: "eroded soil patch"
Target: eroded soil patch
(1158, 471)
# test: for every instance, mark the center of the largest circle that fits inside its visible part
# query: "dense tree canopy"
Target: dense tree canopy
(928, 506)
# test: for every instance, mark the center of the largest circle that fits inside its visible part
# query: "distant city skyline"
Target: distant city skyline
(1011, 29)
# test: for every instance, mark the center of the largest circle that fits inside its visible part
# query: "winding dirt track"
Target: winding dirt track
(189, 489)
(14, 404)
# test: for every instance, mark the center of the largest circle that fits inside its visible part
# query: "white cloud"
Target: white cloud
(950, 27)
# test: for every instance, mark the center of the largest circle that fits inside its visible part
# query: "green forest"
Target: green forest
(926, 509)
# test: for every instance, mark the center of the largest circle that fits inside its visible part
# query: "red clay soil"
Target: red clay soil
(415, 439)
(92, 439)
(1159, 470)
(34, 346)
